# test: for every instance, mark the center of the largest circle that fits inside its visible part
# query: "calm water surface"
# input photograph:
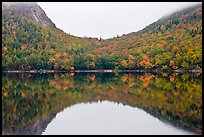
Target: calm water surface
(102, 103)
(108, 118)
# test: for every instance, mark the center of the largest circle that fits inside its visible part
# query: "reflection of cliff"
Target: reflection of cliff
(35, 129)
(177, 100)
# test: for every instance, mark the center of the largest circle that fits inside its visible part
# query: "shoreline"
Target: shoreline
(101, 71)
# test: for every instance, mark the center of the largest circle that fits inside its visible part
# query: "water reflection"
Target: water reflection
(108, 118)
(31, 101)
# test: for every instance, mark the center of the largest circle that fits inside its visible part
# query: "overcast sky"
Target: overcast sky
(107, 19)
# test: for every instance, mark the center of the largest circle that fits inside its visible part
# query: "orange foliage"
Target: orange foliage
(23, 47)
(58, 86)
(65, 55)
(55, 76)
(142, 63)
(124, 78)
(139, 50)
(65, 87)
(58, 55)
(159, 45)
(172, 78)
(146, 78)
(93, 64)
(112, 54)
(125, 90)
(167, 37)
(52, 59)
(71, 68)
(145, 57)
(23, 95)
(72, 74)
(145, 84)
(67, 68)
(112, 88)
(172, 63)
(51, 83)
(93, 77)
(98, 43)
(142, 78)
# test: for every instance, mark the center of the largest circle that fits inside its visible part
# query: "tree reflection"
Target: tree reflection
(28, 98)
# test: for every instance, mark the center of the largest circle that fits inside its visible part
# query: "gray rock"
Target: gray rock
(30, 10)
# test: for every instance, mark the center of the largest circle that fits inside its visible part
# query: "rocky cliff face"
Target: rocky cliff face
(30, 10)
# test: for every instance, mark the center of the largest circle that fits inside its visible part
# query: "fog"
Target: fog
(107, 19)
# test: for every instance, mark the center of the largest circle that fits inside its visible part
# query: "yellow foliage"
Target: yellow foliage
(23, 95)
(124, 78)
(163, 27)
(165, 67)
(124, 63)
(130, 57)
(5, 94)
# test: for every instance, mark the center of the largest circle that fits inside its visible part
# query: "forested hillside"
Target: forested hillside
(28, 43)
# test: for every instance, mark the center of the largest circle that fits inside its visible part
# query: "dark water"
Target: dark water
(102, 103)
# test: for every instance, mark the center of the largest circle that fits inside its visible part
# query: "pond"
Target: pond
(102, 103)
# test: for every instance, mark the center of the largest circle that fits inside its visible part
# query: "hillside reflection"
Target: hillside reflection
(31, 101)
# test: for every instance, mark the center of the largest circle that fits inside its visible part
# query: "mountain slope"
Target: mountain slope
(171, 42)
(28, 9)
(31, 41)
